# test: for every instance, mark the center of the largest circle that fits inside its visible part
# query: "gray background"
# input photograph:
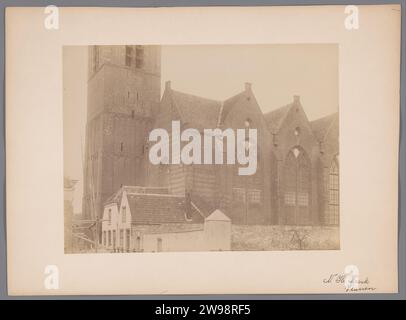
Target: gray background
(173, 3)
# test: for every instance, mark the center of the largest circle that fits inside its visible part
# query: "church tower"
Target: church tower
(124, 88)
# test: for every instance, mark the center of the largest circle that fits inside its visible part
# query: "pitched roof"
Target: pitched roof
(157, 209)
(229, 104)
(217, 215)
(321, 126)
(274, 119)
(116, 197)
(203, 207)
(197, 111)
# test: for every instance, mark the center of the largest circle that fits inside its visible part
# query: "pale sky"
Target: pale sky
(277, 72)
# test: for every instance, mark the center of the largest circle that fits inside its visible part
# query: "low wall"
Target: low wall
(174, 241)
(258, 238)
(213, 235)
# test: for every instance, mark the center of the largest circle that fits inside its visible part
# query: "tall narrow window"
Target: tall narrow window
(121, 146)
(159, 245)
(121, 238)
(95, 58)
(132, 114)
(297, 187)
(128, 55)
(109, 238)
(109, 216)
(139, 57)
(124, 214)
(333, 209)
(114, 239)
(127, 240)
(138, 244)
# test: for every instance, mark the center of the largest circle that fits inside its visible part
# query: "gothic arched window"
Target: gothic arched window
(297, 187)
(333, 208)
(128, 55)
(96, 59)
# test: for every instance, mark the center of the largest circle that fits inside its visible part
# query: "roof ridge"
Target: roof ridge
(196, 96)
(322, 126)
(277, 116)
(279, 109)
(325, 117)
(234, 96)
(226, 103)
(176, 105)
(220, 114)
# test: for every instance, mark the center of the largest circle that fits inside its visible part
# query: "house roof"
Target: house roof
(321, 126)
(157, 209)
(205, 208)
(197, 111)
(274, 119)
(116, 197)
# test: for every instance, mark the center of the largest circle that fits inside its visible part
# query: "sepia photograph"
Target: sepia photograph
(223, 150)
(201, 148)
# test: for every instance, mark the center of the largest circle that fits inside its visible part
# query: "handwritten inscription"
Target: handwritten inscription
(356, 284)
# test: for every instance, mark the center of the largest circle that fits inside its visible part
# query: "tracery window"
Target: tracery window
(333, 208)
(297, 187)
(139, 57)
(128, 55)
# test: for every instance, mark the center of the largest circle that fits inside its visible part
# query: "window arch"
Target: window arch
(333, 208)
(297, 187)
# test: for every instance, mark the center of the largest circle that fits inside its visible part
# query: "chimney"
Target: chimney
(168, 85)
(248, 86)
(296, 99)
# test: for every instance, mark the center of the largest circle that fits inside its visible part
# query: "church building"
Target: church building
(297, 177)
